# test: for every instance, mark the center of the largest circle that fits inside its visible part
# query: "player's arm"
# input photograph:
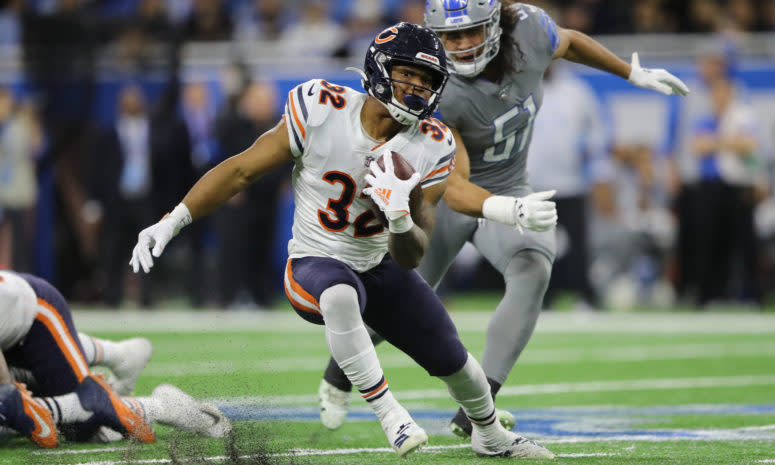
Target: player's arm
(408, 248)
(534, 211)
(580, 48)
(218, 185)
(234, 174)
(462, 195)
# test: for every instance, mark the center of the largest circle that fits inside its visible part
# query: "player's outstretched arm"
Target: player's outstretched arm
(579, 47)
(462, 195)
(218, 185)
(534, 211)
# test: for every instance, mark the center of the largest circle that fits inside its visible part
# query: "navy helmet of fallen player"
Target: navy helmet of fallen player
(455, 15)
(405, 44)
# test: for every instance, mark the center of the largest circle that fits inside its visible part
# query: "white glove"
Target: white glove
(157, 236)
(655, 79)
(534, 211)
(391, 194)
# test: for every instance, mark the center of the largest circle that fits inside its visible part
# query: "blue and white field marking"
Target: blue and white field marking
(560, 425)
(550, 426)
(293, 453)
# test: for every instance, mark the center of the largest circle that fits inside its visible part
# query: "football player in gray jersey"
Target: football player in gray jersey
(497, 52)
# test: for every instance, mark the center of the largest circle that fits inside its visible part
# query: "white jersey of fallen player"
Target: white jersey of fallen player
(331, 151)
(18, 307)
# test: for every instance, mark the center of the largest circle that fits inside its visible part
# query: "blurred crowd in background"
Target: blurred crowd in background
(84, 167)
(339, 23)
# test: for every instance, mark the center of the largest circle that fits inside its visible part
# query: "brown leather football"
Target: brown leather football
(403, 170)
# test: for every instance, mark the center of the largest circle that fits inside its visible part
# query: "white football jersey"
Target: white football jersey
(331, 151)
(18, 307)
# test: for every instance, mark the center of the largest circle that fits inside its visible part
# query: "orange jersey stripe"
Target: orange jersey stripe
(57, 327)
(434, 173)
(296, 116)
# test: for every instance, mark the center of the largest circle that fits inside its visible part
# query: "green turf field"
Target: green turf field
(643, 388)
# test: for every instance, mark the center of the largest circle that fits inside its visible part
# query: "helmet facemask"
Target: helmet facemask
(483, 53)
(414, 107)
(476, 15)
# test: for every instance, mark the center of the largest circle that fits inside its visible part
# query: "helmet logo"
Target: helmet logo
(387, 35)
(426, 57)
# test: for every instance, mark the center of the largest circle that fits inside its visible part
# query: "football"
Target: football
(403, 170)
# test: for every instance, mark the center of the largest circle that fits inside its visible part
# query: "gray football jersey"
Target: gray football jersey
(495, 120)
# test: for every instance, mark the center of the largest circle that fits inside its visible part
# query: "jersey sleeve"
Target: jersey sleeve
(540, 27)
(302, 113)
(442, 165)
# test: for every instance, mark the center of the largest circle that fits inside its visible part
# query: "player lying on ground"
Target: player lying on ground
(340, 273)
(37, 340)
(497, 53)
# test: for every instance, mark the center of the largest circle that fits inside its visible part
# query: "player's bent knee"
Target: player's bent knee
(529, 266)
(340, 308)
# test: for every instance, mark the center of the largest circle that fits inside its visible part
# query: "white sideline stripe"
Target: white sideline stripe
(758, 428)
(534, 389)
(534, 357)
(316, 452)
(766, 461)
(550, 322)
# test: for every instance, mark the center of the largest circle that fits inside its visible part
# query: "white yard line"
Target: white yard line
(533, 357)
(320, 452)
(534, 389)
(550, 322)
(758, 428)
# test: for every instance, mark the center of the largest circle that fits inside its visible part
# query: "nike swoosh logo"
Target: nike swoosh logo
(449, 141)
(45, 430)
(311, 88)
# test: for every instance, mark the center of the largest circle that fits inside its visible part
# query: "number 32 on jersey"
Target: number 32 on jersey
(511, 131)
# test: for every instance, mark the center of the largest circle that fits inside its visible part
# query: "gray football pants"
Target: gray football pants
(524, 260)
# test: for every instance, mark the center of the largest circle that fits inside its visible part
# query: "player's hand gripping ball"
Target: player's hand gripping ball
(403, 171)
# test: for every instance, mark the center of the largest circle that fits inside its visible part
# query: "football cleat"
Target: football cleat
(182, 411)
(18, 410)
(134, 355)
(461, 425)
(110, 410)
(509, 444)
(333, 404)
(404, 435)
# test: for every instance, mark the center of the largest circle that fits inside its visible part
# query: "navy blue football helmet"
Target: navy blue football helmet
(405, 44)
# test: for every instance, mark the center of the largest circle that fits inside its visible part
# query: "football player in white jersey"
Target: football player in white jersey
(497, 53)
(346, 270)
(39, 342)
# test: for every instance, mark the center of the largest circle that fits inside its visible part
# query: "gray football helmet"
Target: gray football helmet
(455, 15)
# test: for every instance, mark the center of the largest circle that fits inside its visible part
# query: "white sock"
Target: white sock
(470, 389)
(150, 408)
(98, 351)
(350, 345)
(65, 409)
